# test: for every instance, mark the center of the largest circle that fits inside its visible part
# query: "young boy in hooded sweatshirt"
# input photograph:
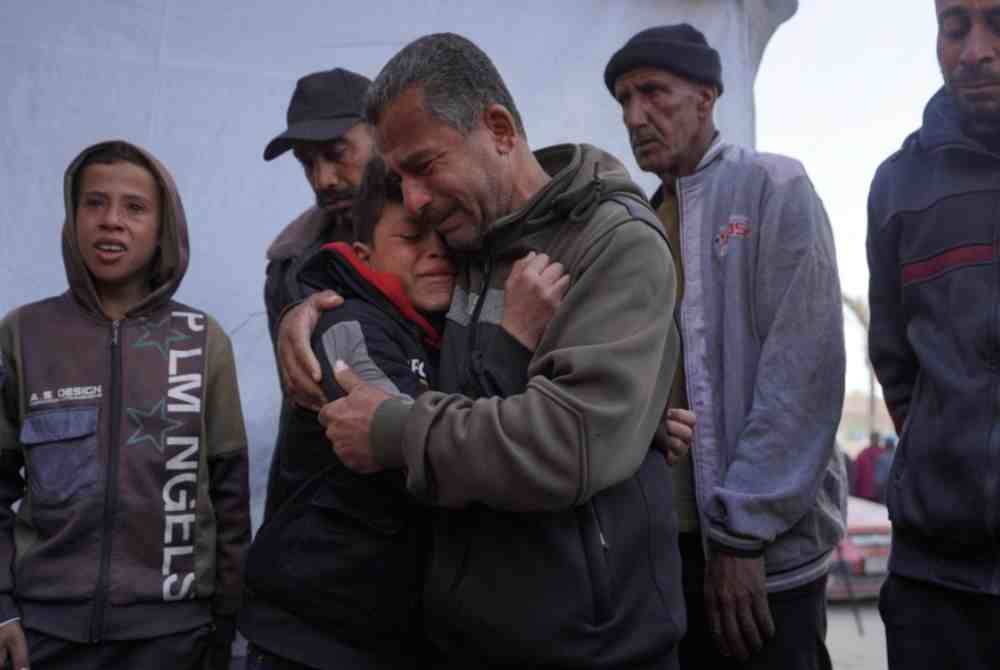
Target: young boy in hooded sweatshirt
(122, 407)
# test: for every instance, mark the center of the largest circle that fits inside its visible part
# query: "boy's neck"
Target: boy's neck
(116, 301)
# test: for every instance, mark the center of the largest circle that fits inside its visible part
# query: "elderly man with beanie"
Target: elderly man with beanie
(332, 143)
(761, 495)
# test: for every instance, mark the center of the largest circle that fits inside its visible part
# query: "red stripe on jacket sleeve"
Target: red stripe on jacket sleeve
(972, 254)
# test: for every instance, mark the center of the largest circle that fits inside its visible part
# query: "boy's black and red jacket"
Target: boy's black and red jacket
(334, 575)
(134, 512)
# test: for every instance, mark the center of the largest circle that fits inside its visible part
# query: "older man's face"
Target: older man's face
(968, 49)
(664, 115)
(457, 183)
(334, 169)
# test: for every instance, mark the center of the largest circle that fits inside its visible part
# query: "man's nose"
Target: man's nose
(633, 114)
(415, 197)
(324, 175)
(979, 47)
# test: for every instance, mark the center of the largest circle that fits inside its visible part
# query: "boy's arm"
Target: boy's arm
(229, 487)
(362, 336)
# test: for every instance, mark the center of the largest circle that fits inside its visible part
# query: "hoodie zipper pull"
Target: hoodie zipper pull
(114, 332)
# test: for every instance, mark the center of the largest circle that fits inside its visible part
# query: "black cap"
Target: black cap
(681, 49)
(324, 106)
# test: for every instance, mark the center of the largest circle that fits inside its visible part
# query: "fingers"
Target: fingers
(679, 430)
(715, 620)
(561, 286)
(676, 450)
(325, 300)
(682, 416)
(345, 376)
(762, 615)
(752, 639)
(325, 414)
(732, 633)
(300, 370)
(19, 651)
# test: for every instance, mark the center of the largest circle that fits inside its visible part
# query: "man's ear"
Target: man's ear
(500, 124)
(362, 251)
(707, 95)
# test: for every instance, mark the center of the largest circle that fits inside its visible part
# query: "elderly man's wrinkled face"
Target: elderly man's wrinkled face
(968, 48)
(665, 116)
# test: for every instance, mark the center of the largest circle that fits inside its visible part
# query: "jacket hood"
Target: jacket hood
(340, 268)
(581, 176)
(309, 226)
(171, 260)
(942, 124)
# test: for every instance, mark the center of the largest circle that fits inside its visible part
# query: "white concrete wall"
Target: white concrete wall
(204, 85)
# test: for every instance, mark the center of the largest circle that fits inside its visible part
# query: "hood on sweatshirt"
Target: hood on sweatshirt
(582, 175)
(170, 260)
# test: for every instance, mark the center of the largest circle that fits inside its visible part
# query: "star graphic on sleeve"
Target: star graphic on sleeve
(152, 426)
(159, 334)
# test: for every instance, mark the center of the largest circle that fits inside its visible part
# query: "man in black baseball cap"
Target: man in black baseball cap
(328, 135)
(760, 496)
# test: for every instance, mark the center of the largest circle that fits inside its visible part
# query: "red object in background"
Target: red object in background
(864, 472)
(863, 554)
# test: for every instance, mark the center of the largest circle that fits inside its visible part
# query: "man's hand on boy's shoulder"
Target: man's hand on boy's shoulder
(299, 369)
(13, 646)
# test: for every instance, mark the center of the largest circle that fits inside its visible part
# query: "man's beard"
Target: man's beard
(979, 120)
(330, 197)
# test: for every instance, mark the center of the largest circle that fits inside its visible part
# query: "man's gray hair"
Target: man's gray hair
(458, 81)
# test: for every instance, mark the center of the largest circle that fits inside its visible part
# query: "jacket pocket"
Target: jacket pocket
(60, 454)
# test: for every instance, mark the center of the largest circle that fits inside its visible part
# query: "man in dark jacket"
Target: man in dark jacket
(343, 555)
(554, 544)
(935, 344)
(332, 143)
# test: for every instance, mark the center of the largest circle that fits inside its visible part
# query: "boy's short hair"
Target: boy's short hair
(108, 154)
(379, 187)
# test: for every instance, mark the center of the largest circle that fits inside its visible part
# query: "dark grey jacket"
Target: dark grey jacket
(933, 240)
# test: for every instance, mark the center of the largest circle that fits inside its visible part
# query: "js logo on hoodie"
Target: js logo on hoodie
(737, 228)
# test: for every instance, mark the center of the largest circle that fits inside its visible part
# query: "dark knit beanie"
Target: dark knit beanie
(680, 48)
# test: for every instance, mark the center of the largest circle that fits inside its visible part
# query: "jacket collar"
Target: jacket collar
(942, 126)
(713, 153)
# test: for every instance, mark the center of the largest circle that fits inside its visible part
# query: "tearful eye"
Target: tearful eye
(993, 21)
(954, 26)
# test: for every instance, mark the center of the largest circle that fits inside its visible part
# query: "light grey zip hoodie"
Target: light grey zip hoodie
(762, 326)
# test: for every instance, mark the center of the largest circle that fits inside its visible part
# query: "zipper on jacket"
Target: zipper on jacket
(110, 488)
(693, 454)
(991, 472)
(487, 277)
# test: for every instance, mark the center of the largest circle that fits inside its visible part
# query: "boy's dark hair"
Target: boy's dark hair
(114, 152)
(379, 186)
